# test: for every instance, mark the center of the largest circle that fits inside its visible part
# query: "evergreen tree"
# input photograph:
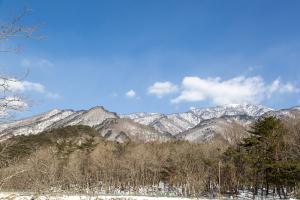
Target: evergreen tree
(267, 163)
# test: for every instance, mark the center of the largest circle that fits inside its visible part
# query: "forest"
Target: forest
(77, 159)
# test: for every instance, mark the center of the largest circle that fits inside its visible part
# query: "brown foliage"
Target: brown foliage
(188, 169)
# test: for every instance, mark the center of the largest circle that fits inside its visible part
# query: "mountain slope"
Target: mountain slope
(227, 128)
(55, 119)
(180, 122)
(195, 125)
(123, 129)
(232, 127)
(33, 125)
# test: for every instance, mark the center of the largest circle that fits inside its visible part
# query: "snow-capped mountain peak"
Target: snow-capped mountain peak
(180, 122)
(197, 124)
(231, 109)
(55, 119)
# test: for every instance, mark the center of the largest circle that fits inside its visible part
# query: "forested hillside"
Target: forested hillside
(79, 159)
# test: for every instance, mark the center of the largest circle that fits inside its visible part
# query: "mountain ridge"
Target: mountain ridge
(189, 119)
(195, 125)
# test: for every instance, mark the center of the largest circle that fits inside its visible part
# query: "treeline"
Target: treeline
(267, 162)
(78, 159)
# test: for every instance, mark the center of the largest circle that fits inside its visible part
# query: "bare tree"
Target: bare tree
(14, 29)
(10, 98)
(235, 133)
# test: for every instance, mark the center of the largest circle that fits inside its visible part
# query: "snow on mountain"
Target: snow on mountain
(55, 119)
(29, 120)
(180, 122)
(233, 123)
(143, 118)
(223, 127)
(195, 125)
(33, 125)
(109, 125)
(92, 117)
(296, 108)
(123, 129)
(231, 110)
(285, 113)
(174, 123)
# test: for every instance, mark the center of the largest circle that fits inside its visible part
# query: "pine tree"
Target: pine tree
(267, 163)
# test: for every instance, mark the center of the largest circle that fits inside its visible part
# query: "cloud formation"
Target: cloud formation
(130, 94)
(11, 103)
(236, 90)
(161, 89)
(22, 86)
(16, 86)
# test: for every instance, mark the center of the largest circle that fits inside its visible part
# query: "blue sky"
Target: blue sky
(158, 56)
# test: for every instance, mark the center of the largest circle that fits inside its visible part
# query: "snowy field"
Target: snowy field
(16, 196)
(20, 196)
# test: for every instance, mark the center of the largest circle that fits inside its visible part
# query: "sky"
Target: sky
(156, 56)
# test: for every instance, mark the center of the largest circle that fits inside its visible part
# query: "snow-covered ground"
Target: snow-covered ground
(19, 196)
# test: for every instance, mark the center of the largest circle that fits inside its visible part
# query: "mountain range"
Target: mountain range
(195, 125)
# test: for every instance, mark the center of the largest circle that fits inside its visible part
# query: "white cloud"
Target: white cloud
(279, 87)
(130, 94)
(31, 86)
(15, 85)
(236, 90)
(12, 85)
(11, 103)
(160, 89)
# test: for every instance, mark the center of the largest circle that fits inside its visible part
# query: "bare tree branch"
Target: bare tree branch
(14, 30)
(10, 98)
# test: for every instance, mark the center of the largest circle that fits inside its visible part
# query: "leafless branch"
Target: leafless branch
(14, 30)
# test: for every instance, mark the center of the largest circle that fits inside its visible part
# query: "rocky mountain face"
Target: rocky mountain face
(180, 122)
(195, 125)
(200, 125)
(55, 119)
(224, 127)
(122, 129)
